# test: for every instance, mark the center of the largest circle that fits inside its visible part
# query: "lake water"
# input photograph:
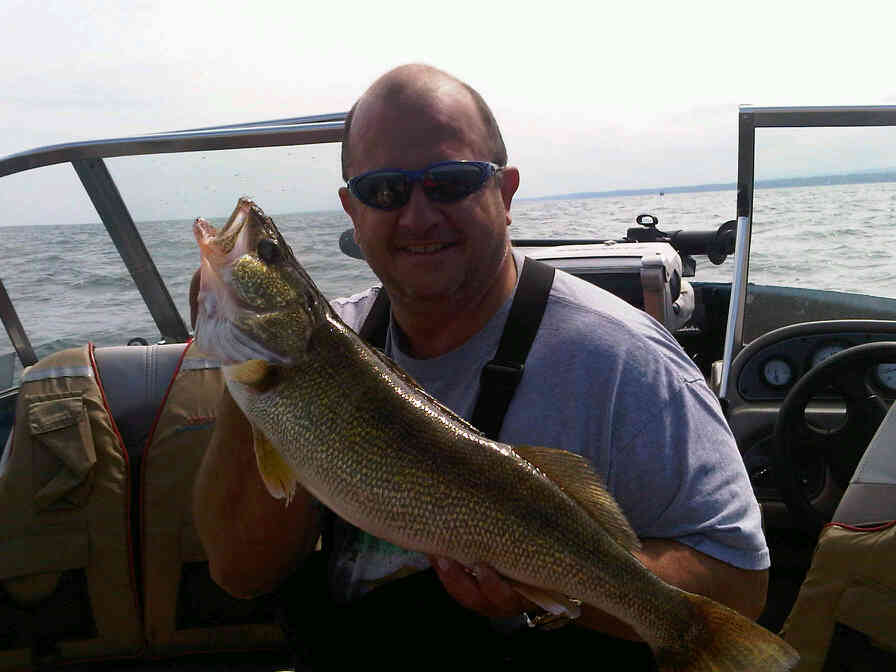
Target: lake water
(70, 286)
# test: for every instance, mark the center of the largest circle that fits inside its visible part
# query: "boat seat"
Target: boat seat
(845, 615)
(135, 379)
(186, 612)
(871, 495)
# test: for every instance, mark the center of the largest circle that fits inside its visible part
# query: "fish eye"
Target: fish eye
(268, 251)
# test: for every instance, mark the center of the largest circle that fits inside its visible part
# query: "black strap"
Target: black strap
(376, 324)
(502, 374)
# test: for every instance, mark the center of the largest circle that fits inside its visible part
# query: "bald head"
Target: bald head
(420, 90)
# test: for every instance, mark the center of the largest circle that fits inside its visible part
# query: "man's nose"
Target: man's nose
(419, 212)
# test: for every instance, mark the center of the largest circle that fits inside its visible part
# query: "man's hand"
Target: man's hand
(485, 592)
(481, 589)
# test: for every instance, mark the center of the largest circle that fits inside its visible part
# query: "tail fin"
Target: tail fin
(726, 641)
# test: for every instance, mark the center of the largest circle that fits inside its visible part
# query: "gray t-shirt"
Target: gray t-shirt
(606, 381)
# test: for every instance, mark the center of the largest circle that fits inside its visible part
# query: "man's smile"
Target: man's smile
(426, 248)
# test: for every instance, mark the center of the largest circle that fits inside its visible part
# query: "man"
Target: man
(602, 379)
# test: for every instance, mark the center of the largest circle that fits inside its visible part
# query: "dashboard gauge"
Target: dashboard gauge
(886, 375)
(777, 372)
(825, 351)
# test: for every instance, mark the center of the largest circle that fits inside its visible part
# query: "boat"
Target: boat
(805, 376)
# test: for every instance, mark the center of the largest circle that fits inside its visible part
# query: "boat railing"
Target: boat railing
(87, 160)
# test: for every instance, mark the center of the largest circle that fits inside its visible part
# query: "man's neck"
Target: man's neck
(439, 328)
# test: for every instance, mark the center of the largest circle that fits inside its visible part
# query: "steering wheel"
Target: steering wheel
(800, 447)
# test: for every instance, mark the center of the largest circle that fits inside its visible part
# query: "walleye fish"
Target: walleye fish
(335, 416)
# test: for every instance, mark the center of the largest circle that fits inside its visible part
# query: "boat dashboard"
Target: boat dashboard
(772, 372)
(770, 366)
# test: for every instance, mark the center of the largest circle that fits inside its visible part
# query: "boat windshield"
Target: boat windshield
(823, 219)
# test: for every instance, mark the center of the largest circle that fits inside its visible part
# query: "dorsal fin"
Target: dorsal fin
(575, 476)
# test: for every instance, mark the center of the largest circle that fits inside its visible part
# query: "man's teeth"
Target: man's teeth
(425, 249)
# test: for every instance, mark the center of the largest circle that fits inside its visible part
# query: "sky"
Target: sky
(590, 96)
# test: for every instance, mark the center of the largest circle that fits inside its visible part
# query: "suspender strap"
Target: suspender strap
(376, 324)
(502, 374)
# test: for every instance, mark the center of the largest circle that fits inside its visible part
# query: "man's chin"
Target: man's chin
(426, 293)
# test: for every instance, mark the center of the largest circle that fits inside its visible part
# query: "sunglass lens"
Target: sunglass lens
(385, 191)
(453, 181)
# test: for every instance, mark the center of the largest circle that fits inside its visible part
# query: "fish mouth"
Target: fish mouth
(220, 310)
(235, 239)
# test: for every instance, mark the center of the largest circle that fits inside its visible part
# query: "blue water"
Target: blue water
(70, 286)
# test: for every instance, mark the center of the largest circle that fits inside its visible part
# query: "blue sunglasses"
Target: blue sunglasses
(443, 182)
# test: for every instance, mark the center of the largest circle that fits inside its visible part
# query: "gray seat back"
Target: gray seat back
(135, 379)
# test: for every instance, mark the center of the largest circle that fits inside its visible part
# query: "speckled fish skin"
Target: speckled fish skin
(371, 445)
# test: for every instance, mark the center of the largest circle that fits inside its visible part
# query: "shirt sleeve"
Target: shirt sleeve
(681, 476)
(353, 309)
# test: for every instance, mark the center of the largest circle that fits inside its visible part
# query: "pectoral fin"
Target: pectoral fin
(278, 476)
(574, 475)
(250, 372)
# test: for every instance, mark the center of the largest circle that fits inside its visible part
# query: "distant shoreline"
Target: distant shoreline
(867, 177)
(817, 181)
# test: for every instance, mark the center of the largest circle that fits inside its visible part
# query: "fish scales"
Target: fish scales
(394, 469)
(336, 417)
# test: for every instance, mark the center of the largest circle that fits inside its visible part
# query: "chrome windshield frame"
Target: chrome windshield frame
(275, 133)
(749, 119)
(87, 160)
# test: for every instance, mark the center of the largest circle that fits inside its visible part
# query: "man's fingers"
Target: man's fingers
(459, 583)
(481, 589)
(498, 591)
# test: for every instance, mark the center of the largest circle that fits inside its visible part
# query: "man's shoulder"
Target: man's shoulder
(592, 327)
(353, 309)
(590, 312)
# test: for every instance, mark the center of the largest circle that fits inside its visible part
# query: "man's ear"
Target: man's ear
(510, 182)
(349, 204)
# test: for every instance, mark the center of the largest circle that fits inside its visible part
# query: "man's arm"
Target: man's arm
(677, 564)
(680, 565)
(252, 540)
(741, 589)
